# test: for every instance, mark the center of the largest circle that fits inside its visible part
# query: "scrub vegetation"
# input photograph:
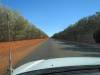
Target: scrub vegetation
(86, 29)
(20, 28)
(24, 37)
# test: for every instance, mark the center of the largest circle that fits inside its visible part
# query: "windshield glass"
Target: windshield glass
(33, 30)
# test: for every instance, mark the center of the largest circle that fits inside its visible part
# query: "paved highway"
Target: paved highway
(55, 49)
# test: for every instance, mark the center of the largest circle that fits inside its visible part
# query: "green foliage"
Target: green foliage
(86, 25)
(19, 27)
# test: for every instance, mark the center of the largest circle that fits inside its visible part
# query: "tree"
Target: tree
(19, 27)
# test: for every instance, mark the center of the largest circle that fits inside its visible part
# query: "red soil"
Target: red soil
(19, 48)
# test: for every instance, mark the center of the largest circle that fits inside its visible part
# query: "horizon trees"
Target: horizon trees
(19, 27)
(82, 30)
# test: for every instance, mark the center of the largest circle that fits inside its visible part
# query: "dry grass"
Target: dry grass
(19, 48)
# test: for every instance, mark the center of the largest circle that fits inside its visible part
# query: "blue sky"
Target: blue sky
(53, 16)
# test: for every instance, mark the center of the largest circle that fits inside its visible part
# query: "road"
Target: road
(55, 49)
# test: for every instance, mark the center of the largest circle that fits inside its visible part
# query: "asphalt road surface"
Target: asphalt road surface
(57, 49)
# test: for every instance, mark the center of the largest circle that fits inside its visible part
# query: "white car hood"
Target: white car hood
(57, 62)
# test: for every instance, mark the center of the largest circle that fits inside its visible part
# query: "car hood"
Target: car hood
(57, 62)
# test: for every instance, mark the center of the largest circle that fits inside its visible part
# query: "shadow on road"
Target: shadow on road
(92, 55)
(81, 48)
(88, 50)
(78, 47)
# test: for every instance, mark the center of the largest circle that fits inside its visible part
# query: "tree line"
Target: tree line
(85, 26)
(13, 26)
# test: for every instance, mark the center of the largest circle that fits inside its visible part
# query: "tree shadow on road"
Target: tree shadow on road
(82, 49)
(88, 50)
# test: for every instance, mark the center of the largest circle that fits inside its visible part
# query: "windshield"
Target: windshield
(32, 30)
